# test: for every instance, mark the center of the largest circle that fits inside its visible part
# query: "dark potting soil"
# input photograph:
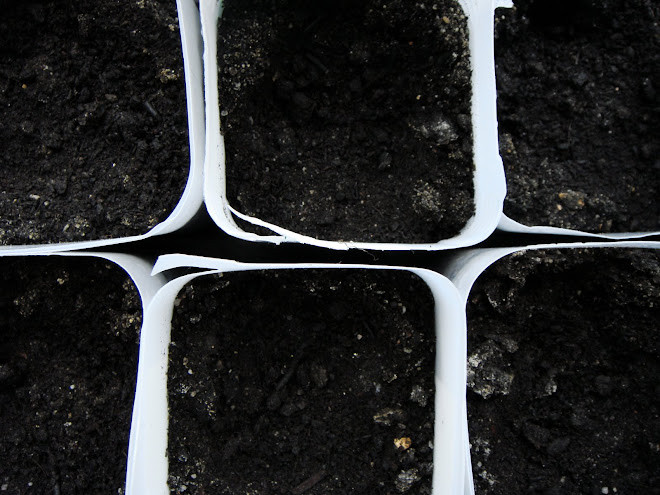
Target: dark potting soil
(348, 120)
(301, 382)
(579, 113)
(93, 110)
(564, 360)
(68, 362)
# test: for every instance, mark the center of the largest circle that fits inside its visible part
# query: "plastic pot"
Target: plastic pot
(575, 99)
(191, 198)
(148, 464)
(69, 360)
(489, 186)
(493, 379)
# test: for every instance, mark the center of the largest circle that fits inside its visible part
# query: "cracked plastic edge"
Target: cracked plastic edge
(489, 181)
(191, 198)
(464, 268)
(147, 462)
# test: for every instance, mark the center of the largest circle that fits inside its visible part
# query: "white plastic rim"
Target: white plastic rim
(508, 225)
(192, 196)
(191, 47)
(489, 182)
(147, 462)
(465, 267)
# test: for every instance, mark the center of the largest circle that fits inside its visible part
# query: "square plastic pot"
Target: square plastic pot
(148, 463)
(65, 325)
(191, 198)
(494, 367)
(489, 188)
(575, 100)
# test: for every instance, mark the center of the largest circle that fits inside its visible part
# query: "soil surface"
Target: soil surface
(564, 359)
(302, 382)
(348, 120)
(93, 110)
(68, 362)
(579, 113)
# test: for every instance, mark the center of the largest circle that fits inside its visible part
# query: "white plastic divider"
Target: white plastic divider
(147, 460)
(192, 196)
(465, 267)
(508, 225)
(489, 182)
(137, 268)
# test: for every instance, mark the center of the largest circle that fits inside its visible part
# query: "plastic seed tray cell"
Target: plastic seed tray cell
(350, 120)
(302, 381)
(562, 373)
(578, 113)
(68, 363)
(93, 105)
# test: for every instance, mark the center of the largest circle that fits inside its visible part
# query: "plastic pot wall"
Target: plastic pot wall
(489, 188)
(191, 198)
(148, 465)
(72, 347)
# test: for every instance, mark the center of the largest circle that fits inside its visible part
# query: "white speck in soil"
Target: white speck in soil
(406, 479)
(419, 396)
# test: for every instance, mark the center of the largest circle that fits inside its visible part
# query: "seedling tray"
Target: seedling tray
(401, 462)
